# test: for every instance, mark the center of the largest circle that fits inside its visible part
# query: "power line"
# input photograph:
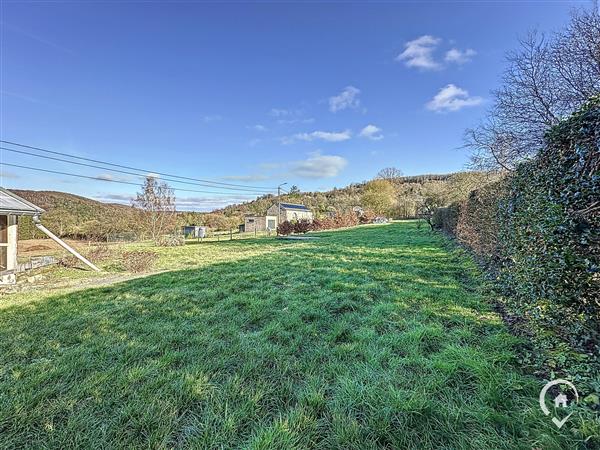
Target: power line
(128, 173)
(133, 168)
(110, 181)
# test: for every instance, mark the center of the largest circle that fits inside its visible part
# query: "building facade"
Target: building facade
(269, 222)
(290, 211)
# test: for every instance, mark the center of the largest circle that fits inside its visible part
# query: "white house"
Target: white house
(289, 211)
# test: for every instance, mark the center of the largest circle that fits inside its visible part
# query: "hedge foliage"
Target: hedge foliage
(538, 228)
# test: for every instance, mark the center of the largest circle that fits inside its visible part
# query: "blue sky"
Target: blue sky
(313, 94)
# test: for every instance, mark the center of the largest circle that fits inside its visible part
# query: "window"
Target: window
(271, 224)
(250, 220)
(3, 229)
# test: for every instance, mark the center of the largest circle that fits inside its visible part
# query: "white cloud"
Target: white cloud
(457, 56)
(419, 53)
(319, 166)
(290, 116)
(452, 98)
(280, 112)
(348, 98)
(371, 132)
(329, 136)
(296, 120)
(111, 177)
(257, 127)
(207, 203)
(115, 198)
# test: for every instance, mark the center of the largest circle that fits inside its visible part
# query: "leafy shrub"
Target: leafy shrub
(367, 216)
(137, 261)
(302, 226)
(285, 228)
(477, 223)
(446, 218)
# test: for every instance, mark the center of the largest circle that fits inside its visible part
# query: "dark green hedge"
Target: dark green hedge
(549, 233)
(539, 231)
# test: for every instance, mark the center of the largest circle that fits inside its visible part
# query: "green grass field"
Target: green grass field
(375, 337)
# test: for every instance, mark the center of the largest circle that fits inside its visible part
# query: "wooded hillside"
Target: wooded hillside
(74, 216)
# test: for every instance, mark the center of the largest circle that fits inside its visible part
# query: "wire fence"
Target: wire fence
(231, 235)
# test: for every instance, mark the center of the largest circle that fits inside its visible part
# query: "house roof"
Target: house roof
(294, 206)
(13, 204)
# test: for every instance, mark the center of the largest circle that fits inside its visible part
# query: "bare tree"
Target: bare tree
(389, 173)
(546, 79)
(157, 205)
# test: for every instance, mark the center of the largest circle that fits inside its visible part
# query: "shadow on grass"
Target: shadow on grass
(372, 337)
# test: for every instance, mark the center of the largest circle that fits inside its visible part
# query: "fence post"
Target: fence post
(230, 234)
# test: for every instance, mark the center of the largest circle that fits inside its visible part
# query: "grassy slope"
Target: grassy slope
(369, 337)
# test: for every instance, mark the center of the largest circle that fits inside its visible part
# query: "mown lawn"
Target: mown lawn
(372, 337)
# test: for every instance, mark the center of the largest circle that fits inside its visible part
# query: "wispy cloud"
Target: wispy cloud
(319, 166)
(348, 98)
(201, 204)
(457, 56)
(37, 38)
(281, 112)
(290, 116)
(257, 127)
(212, 118)
(419, 53)
(111, 177)
(328, 136)
(452, 98)
(315, 166)
(371, 132)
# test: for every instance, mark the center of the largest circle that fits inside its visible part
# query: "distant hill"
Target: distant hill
(335, 200)
(74, 216)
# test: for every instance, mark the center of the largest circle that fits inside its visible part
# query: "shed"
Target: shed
(259, 223)
(11, 207)
(194, 231)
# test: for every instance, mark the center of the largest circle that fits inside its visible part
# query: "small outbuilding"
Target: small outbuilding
(194, 231)
(279, 212)
(254, 223)
(11, 208)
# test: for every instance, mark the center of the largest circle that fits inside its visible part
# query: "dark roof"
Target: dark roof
(13, 204)
(294, 206)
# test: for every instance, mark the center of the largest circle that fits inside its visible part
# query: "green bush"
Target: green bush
(550, 227)
(446, 218)
(538, 229)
